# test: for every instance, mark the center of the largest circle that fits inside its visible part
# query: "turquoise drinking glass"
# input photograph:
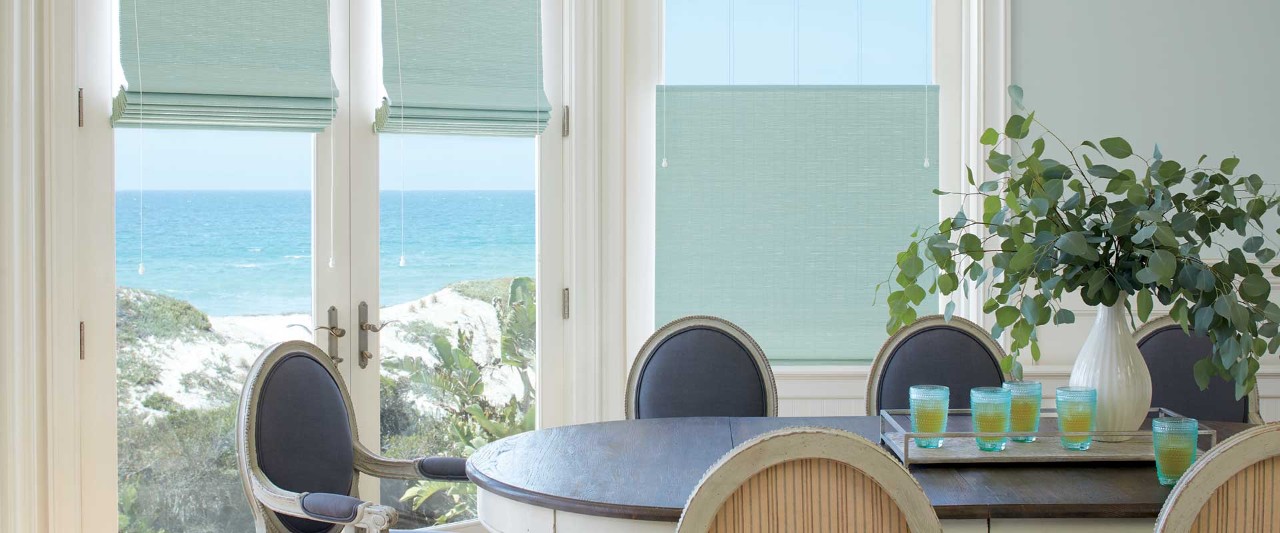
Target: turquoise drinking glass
(1024, 416)
(1077, 413)
(990, 407)
(1174, 439)
(929, 404)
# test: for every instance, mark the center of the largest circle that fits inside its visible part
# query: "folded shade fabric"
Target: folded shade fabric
(469, 68)
(231, 64)
(781, 207)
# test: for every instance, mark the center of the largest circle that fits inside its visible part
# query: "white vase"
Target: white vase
(1110, 362)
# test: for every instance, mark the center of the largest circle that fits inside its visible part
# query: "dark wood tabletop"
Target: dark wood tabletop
(646, 469)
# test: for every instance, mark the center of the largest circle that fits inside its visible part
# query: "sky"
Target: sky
(893, 48)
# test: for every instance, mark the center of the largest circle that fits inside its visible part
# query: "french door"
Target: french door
(431, 254)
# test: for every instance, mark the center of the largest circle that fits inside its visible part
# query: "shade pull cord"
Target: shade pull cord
(795, 42)
(333, 174)
(400, 136)
(859, 6)
(142, 117)
(925, 86)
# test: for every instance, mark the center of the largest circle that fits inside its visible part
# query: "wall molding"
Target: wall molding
(840, 390)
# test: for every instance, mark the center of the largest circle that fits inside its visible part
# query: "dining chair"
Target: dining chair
(934, 351)
(700, 366)
(1235, 487)
(808, 479)
(1171, 355)
(298, 453)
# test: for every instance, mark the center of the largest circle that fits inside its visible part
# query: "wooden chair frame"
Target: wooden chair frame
(708, 322)
(1154, 326)
(265, 497)
(1211, 471)
(764, 451)
(882, 358)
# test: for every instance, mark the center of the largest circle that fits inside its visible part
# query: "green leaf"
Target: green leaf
(1146, 276)
(1163, 264)
(998, 162)
(1229, 165)
(1006, 315)
(1103, 171)
(1144, 304)
(1064, 316)
(1075, 244)
(1013, 128)
(990, 137)
(1015, 94)
(1117, 147)
(1203, 319)
(1255, 288)
(947, 283)
(990, 206)
(1143, 234)
(1265, 255)
(951, 308)
(1157, 155)
(989, 186)
(1022, 259)
(1202, 370)
(1253, 244)
(915, 293)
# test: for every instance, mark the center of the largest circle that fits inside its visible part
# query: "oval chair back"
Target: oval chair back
(295, 428)
(1171, 355)
(808, 480)
(934, 351)
(1235, 487)
(700, 366)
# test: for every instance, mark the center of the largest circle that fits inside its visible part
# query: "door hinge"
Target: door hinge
(82, 340)
(80, 111)
(564, 123)
(564, 303)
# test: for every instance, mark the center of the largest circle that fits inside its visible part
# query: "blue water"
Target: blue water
(249, 253)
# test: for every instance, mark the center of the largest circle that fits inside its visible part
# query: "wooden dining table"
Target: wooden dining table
(635, 476)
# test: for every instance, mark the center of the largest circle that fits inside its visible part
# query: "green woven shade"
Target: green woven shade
(232, 64)
(781, 207)
(462, 67)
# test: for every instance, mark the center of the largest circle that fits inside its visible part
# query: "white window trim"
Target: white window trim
(971, 51)
(82, 495)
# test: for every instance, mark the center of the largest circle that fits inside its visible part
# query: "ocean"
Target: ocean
(249, 252)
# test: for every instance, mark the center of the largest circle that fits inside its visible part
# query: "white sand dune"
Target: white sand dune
(242, 338)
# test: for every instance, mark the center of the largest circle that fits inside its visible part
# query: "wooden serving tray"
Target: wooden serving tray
(959, 446)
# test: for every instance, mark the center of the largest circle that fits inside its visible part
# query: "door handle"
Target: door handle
(335, 332)
(365, 329)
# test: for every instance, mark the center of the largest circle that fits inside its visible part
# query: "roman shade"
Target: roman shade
(780, 208)
(470, 68)
(226, 64)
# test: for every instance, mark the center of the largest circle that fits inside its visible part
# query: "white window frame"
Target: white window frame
(85, 493)
(971, 62)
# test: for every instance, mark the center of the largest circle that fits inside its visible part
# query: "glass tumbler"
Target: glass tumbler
(1024, 416)
(929, 404)
(1174, 439)
(1077, 412)
(990, 407)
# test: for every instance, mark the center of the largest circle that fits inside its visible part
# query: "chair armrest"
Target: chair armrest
(433, 468)
(330, 508)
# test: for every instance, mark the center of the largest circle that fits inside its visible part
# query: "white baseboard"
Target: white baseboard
(841, 390)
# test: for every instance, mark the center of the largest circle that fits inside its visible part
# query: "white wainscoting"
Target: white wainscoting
(841, 390)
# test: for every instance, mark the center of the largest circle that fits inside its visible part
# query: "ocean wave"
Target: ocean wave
(246, 265)
(297, 257)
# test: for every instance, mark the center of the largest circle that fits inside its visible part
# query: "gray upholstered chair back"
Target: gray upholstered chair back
(934, 351)
(297, 431)
(1171, 354)
(700, 366)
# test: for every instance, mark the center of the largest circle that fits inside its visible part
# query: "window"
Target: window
(213, 264)
(795, 155)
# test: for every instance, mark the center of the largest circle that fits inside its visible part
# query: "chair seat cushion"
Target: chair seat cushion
(443, 468)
